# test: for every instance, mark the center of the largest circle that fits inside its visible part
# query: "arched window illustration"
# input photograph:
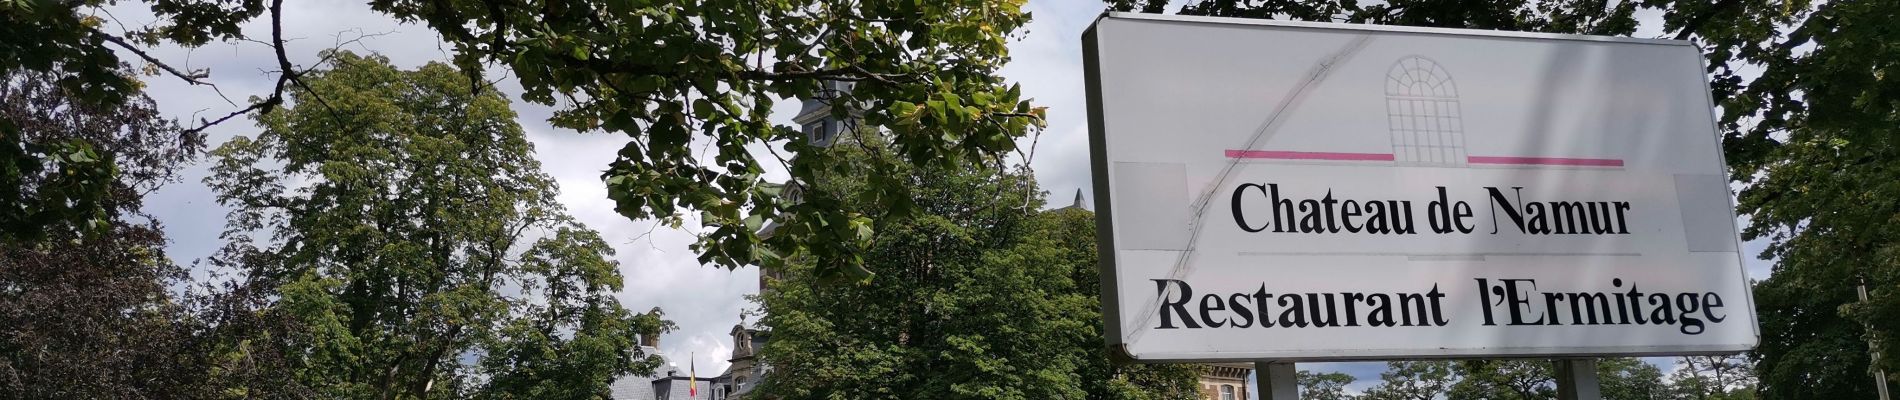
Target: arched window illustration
(1421, 108)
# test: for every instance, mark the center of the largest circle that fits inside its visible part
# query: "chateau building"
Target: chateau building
(668, 382)
(1226, 381)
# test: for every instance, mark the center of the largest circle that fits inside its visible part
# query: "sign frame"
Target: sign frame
(1103, 194)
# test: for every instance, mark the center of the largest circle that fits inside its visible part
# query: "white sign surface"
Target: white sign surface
(1297, 191)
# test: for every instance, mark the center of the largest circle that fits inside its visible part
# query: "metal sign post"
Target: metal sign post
(1577, 379)
(1278, 381)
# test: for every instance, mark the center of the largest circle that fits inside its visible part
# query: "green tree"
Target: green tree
(1413, 380)
(1811, 139)
(1809, 350)
(1625, 378)
(978, 296)
(1324, 386)
(57, 187)
(1073, 228)
(85, 310)
(1712, 378)
(398, 227)
(672, 76)
(1504, 379)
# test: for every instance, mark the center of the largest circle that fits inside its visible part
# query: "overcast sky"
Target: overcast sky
(660, 271)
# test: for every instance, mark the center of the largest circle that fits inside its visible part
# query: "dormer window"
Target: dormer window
(819, 133)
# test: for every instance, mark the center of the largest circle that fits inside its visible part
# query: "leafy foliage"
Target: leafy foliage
(47, 186)
(1323, 386)
(1809, 350)
(1812, 140)
(1504, 379)
(84, 306)
(71, 167)
(978, 296)
(1713, 377)
(398, 226)
(669, 75)
(89, 318)
(1624, 378)
(1413, 380)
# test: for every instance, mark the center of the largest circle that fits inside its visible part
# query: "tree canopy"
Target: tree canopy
(980, 295)
(85, 308)
(669, 75)
(405, 238)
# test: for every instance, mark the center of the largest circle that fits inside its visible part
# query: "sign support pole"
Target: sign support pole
(1577, 379)
(1880, 375)
(1278, 381)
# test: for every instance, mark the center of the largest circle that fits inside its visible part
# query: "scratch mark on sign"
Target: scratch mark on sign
(1260, 136)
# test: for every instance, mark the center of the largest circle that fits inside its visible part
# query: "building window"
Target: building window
(1227, 392)
(1421, 108)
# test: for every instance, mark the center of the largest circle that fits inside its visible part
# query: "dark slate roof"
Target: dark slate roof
(676, 388)
(640, 387)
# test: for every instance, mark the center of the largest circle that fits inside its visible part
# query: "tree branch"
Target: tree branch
(195, 77)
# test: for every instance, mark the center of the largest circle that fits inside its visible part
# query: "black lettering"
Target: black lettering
(1381, 314)
(1179, 304)
(1401, 217)
(1567, 217)
(1295, 314)
(1510, 211)
(1485, 291)
(1411, 304)
(1710, 302)
(1352, 310)
(1260, 306)
(1512, 296)
(1585, 306)
(1280, 225)
(1239, 302)
(1310, 223)
(1623, 227)
(1239, 217)
(1686, 305)
(1376, 221)
(1326, 318)
(1459, 212)
(1438, 314)
(1206, 316)
(1346, 211)
(1438, 212)
(1331, 225)
(1663, 314)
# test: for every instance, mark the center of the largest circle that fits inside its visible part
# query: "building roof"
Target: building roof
(640, 387)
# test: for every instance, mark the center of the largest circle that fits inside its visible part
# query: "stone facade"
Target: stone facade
(1221, 381)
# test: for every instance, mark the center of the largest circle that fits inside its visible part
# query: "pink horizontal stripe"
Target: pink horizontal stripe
(1590, 162)
(1308, 155)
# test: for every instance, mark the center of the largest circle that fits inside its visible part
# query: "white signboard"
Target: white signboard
(1298, 191)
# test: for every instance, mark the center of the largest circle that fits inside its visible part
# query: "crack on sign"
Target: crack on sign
(1261, 135)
